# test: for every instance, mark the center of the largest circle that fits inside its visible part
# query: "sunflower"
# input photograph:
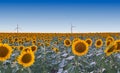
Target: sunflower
(75, 39)
(67, 42)
(26, 59)
(47, 44)
(34, 48)
(108, 42)
(5, 52)
(33, 42)
(56, 50)
(20, 42)
(1, 40)
(56, 42)
(27, 39)
(110, 38)
(89, 41)
(26, 49)
(11, 41)
(16, 40)
(34, 38)
(20, 48)
(38, 44)
(42, 45)
(60, 39)
(110, 49)
(98, 43)
(80, 48)
(118, 46)
(13, 47)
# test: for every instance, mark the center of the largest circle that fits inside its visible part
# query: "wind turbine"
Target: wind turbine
(17, 28)
(72, 28)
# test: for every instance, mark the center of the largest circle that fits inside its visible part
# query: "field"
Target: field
(59, 52)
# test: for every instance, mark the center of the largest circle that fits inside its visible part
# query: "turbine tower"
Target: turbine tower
(17, 28)
(72, 28)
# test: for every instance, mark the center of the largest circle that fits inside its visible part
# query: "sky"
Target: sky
(58, 15)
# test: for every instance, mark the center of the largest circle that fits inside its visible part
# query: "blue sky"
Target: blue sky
(58, 15)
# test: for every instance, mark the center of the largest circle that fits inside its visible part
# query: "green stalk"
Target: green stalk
(44, 67)
(76, 65)
(29, 70)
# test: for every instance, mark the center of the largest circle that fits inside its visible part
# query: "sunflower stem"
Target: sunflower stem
(29, 70)
(1, 67)
(44, 67)
(76, 64)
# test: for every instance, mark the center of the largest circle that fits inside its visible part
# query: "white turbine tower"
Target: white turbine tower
(17, 28)
(72, 28)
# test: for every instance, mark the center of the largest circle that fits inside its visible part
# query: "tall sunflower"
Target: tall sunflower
(1, 40)
(56, 42)
(16, 40)
(33, 42)
(110, 38)
(20, 42)
(11, 41)
(98, 43)
(108, 42)
(34, 48)
(26, 59)
(20, 48)
(75, 39)
(60, 39)
(47, 44)
(118, 46)
(5, 52)
(67, 42)
(110, 49)
(28, 40)
(56, 50)
(26, 49)
(38, 44)
(80, 48)
(89, 41)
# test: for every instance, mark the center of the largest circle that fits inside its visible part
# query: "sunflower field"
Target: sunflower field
(59, 52)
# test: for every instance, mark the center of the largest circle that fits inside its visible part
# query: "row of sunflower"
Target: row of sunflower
(59, 52)
(26, 57)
